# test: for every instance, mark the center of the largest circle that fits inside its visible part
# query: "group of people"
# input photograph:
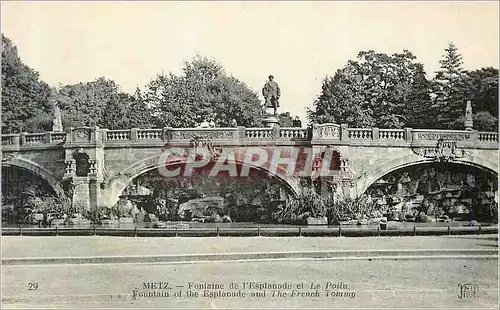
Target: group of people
(209, 123)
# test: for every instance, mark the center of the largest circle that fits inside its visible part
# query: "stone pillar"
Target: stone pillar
(276, 132)
(81, 195)
(94, 194)
(376, 133)
(408, 134)
(166, 134)
(474, 136)
(48, 137)
(22, 137)
(344, 135)
(69, 135)
(133, 134)
(241, 133)
(468, 116)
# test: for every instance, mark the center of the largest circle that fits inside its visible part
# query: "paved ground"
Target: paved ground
(418, 282)
(61, 246)
(383, 283)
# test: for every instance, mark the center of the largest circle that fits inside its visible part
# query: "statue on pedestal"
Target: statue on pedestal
(57, 121)
(468, 116)
(271, 92)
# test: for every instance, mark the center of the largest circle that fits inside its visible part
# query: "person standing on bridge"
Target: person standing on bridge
(296, 122)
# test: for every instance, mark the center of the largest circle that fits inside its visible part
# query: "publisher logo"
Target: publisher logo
(468, 291)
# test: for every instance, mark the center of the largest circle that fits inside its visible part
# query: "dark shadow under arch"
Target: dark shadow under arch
(38, 171)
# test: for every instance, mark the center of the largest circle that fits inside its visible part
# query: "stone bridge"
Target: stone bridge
(113, 158)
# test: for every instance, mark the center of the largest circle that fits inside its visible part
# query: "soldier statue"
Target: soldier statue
(271, 92)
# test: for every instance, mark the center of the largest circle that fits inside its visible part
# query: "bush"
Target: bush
(349, 208)
(297, 210)
(421, 217)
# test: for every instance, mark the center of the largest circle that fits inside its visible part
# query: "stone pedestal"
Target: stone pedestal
(271, 121)
(57, 122)
(468, 125)
(468, 116)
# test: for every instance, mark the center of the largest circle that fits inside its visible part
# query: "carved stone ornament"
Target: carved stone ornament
(81, 135)
(197, 143)
(444, 151)
(340, 181)
(70, 166)
(218, 134)
(8, 157)
(327, 131)
(457, 136)
(93, 165)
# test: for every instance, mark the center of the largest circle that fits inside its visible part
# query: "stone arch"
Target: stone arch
(368, 177)
(117, 183)
(38, 171)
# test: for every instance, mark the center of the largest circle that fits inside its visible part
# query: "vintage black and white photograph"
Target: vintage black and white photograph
(249, 154)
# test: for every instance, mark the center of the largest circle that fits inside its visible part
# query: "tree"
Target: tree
(25, 99)
(285, 119)
(387, 83)
(124, 111)
(202, 91)
(449, 88)
(419, 101)
(140, 114)
(375, 90)
(84, 104)
(341, 101)
(101, 103)
(484, 121)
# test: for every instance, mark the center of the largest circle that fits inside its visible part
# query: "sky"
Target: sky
(298, 42)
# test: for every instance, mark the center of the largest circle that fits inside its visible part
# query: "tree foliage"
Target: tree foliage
(285, 119)
(393, 92)
(25, 99)
(449, 88)
(483, 92)
(101, 103)
(374, 90)
(202, 91)
(419, 101)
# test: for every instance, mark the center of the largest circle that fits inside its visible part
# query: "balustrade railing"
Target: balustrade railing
(360, 133)
(342, 134)
(392, 134)
(149, 134)
(58, 136)
(488, 136)
(35, 138)
(293, 133)
(10, 139)
(118, 135)
(258, 133)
